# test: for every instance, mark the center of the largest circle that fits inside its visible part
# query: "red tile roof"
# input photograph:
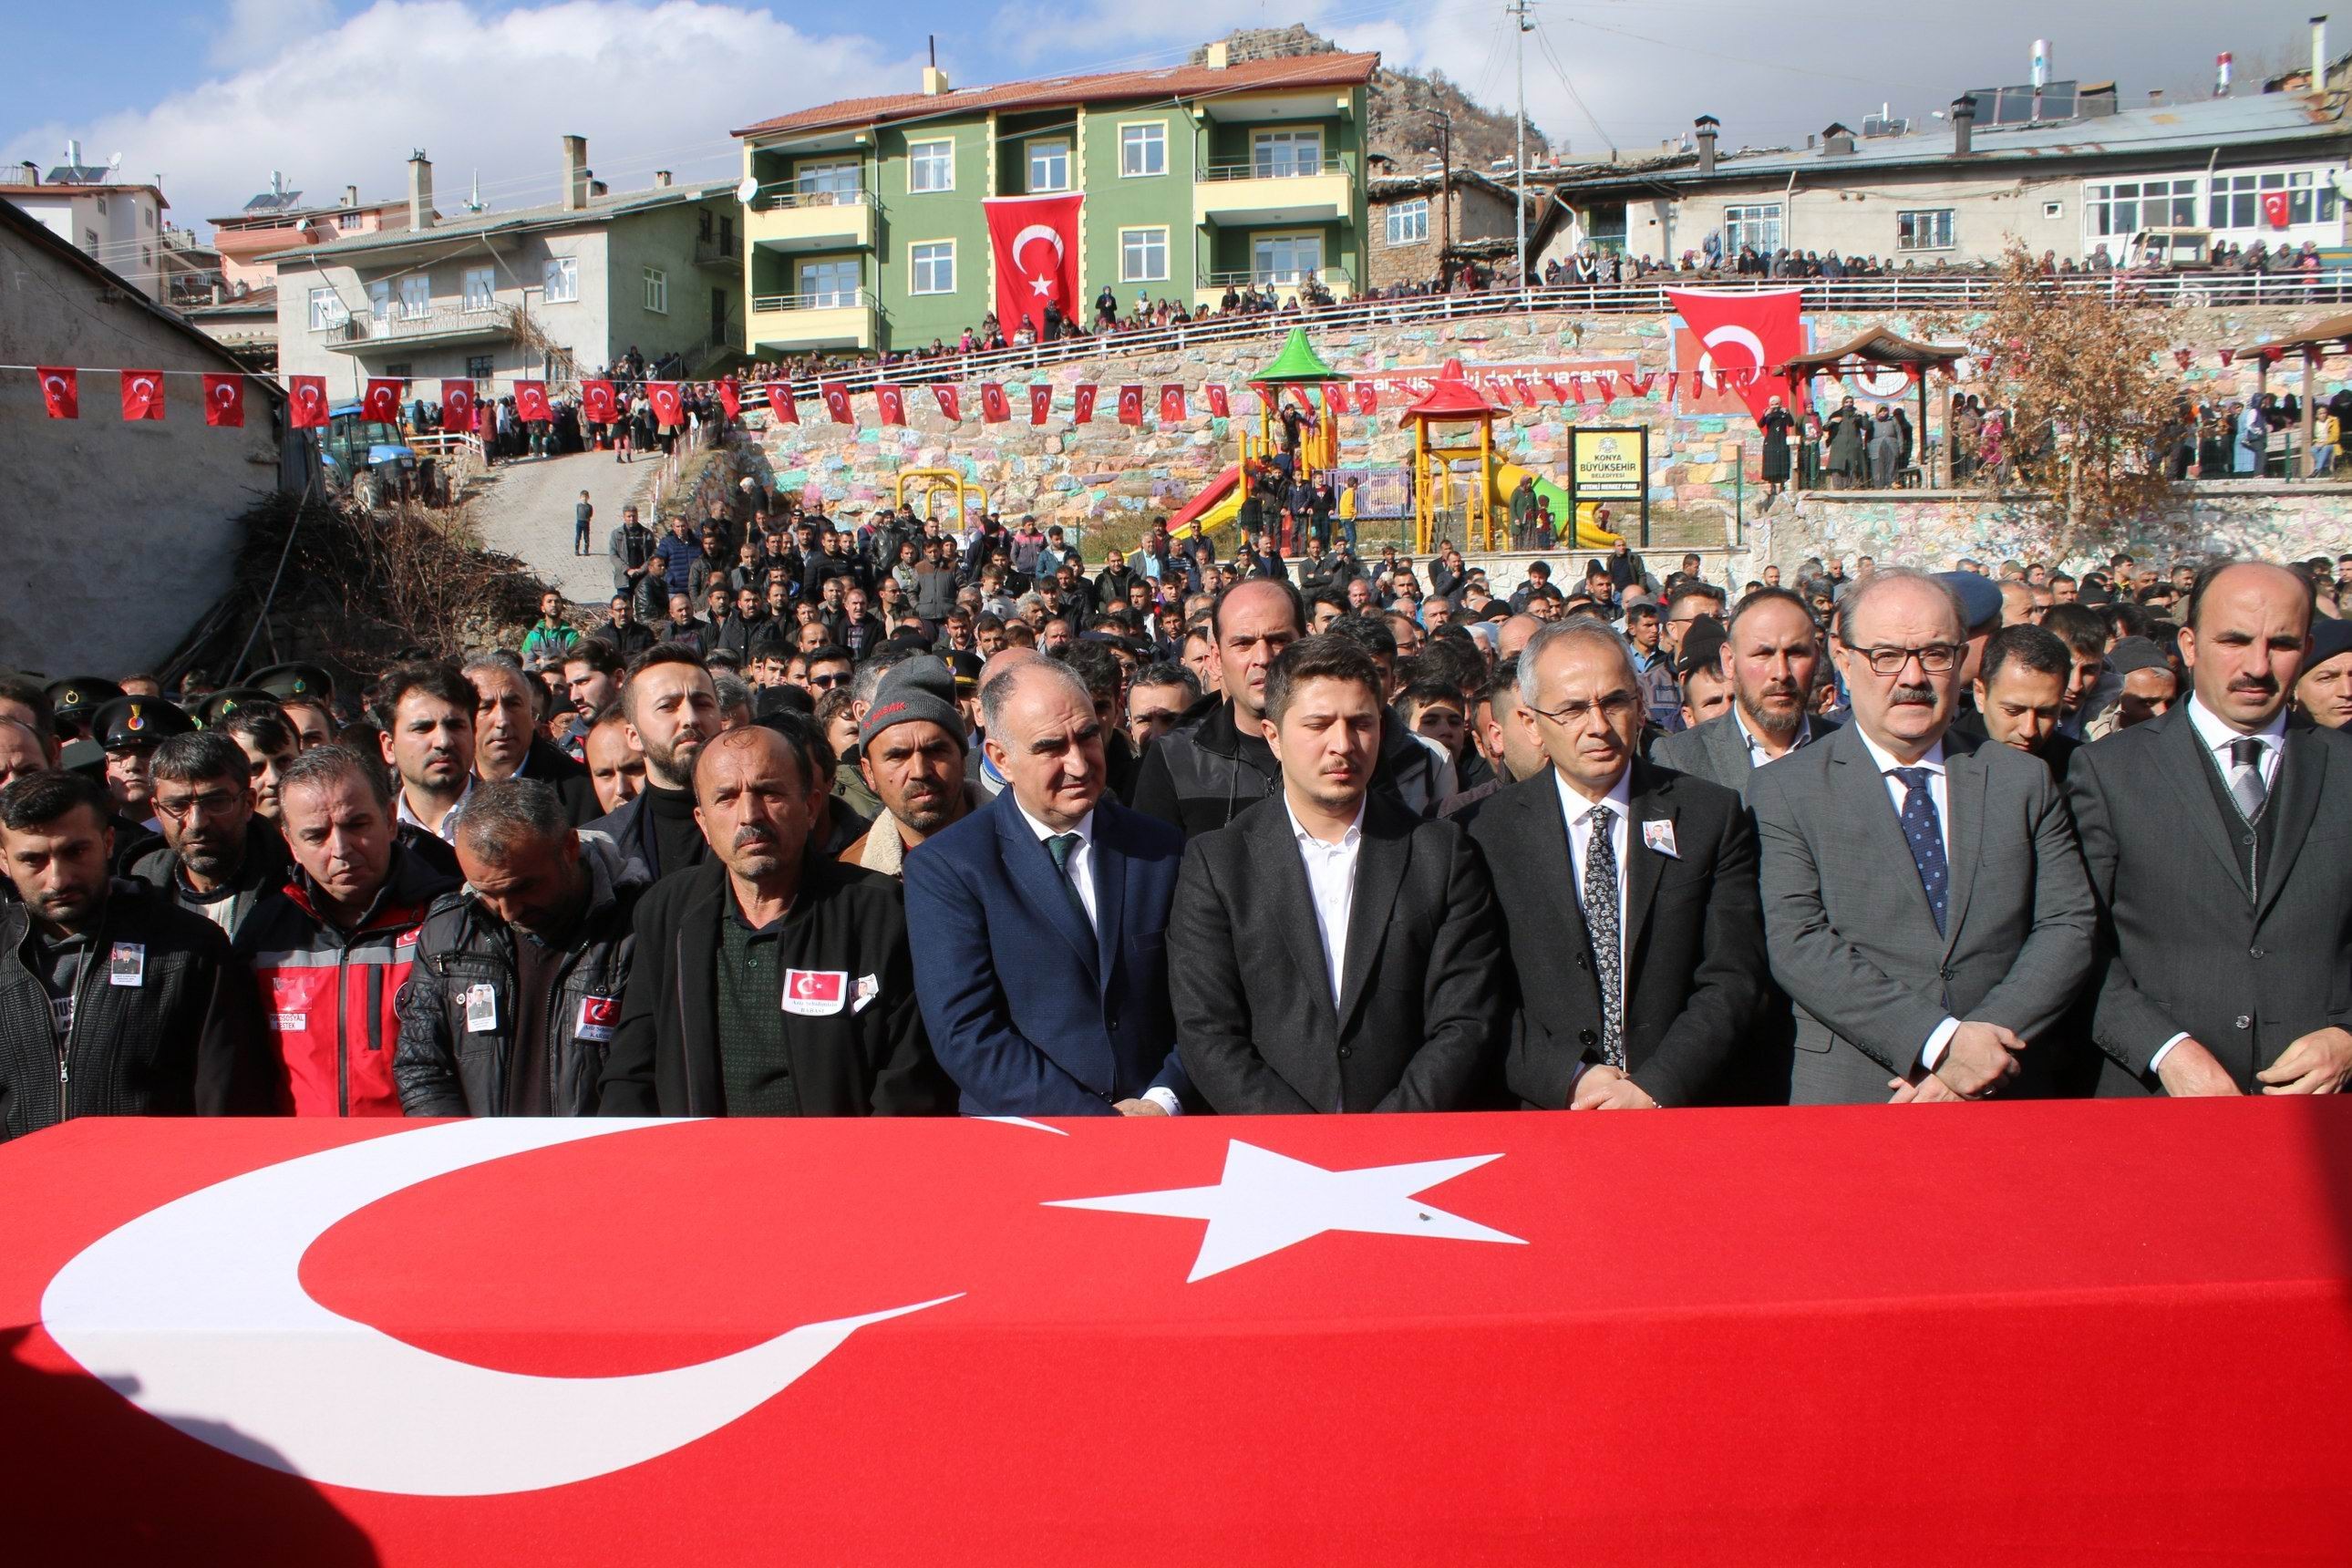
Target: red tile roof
(1167, 81)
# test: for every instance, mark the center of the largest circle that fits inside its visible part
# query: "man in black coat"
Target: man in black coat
(219, 857)
(1628, 896)
(767, 982)
(1328, 952)
(507, 740)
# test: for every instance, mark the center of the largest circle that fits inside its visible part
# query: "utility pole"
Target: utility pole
(1519, 9)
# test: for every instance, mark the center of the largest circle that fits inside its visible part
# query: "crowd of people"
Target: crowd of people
(833, 817)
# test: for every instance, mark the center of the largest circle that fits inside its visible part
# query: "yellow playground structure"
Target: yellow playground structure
(964, 495)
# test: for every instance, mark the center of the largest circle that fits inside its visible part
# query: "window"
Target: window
(933, 267)
(930, 165)
(1143, 255)
(1143, 149)
(1280, 154)
(102, 206)
(401, 372)
(347, 221)
(827, 284)
(481, 288)
(148, 213)
(479, 367)
(1927, 231)
(1409, 222)
(727, 233)
(709, 225)
(2124, 208)
(415, 298)
(561, 276)
(1756, 226)
(1049, 165)
(89, 241)
(834, 177)
(2052, 211)
(657, 291)
(379, 299)
(2236, 201)
(326, 310)
(1285, 257)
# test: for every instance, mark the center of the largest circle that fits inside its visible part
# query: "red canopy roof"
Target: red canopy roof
(1451, 396)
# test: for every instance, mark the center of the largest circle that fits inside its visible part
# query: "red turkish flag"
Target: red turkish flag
(669, 408)
(597, 402)
(1367, 397)
(2184, 358)
(1640, 384)
(994, 409)
(1220, 402)
(950, 402)
(1753, 332)
(836, 402)
(2227, 354)
(1270, 398)
(306, 402)
(1130, 405)
(142, 395)
(531, 403)
(381, 400)
(1036, 247)
(2274, 208)
(1171, 405)
(1559, 393)
(224, 401)
(458, 404)
(1041, 401)
(892, 401)
(1082, 402)
(782, 408)
(731, 397)
(1576, 387)
(1672, 376)
(60, 391)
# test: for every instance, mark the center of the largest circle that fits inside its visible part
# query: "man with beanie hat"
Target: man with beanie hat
(2323, 692)
(911, 750)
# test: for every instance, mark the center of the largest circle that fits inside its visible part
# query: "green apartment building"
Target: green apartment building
(864, 227)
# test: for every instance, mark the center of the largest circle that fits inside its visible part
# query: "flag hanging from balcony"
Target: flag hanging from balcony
(224, 401)
(731, 397)
(951, 403)
(1036, 246)
(597, 401)
(782, 408)
(531, 405)
(836, 402)
(381, 400)
(60, 391)
(1041, 401)
(1130, 405)
(892, 402)
(1082, 404)
(1171, 404)
(2274, 208)
(1219, 404)
(142, 395)
(1367, 397)
(994, 409)
(458, 404)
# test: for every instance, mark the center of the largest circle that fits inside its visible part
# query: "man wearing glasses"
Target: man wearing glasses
(219, 857)
(1925, 902)
(827, 667)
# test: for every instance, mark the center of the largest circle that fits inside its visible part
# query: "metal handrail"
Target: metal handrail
(832, 299)
(1253, 169)
(1335, 278)
(400, 321)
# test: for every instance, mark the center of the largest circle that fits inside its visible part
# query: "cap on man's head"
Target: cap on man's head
(72, 701)
(918, 689)
(1979, 598)
(217, 709)
(2329, 637)
(2131, 653)
(127, 723)
(284, 681)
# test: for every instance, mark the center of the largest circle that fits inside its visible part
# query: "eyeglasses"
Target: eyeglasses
(212, 803)
(827, 682)
(1612, 707)
(1935, 659)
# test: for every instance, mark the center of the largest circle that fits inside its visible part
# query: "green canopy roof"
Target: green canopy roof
(1296, 362)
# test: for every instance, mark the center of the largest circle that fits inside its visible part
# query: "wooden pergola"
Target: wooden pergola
(1881, 348)
(2313, 343)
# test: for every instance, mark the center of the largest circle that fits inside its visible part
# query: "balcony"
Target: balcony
(789, 219)
(712, 257)
(1335, 281)
(440, 324)
(794, 323)
(1262, 194)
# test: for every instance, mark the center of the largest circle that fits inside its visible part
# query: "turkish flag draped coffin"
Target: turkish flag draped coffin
(1397, 1340)
(1036, 240)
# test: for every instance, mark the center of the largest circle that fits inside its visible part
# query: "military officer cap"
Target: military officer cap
(129, 722)
(216, 708)
(72, 703)
(284, 681)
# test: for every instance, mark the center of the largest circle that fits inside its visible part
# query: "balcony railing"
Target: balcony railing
(711, 253)
(824, 300)
(790, 197)
(399, 324)
(1271, 169)
(1334, 279)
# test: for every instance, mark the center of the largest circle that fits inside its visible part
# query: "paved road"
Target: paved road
(524, 508)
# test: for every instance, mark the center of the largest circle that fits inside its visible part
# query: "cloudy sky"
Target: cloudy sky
(214, 94)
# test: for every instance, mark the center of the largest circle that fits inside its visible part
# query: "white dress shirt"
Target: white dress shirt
(1938, 790)
(1331, 886)
(1579, 810)
(447, 831)
(1082, 875)
(1756, 755)
(2217, 738)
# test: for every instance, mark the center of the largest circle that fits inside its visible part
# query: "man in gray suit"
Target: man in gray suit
(1924, 902)
(2216, 838)
(1772, 650)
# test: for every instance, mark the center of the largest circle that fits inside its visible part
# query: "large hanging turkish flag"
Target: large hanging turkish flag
(667, 408)
(306, 402)
(142, 395)
(224, 401)
(2275, 208)
(530, 402)
(1036, 245)
(1367, 397)
(1171, 404)
(381, 402)
(457, 404)
(1220, 402)
(1082, 402)
(731, 397)
(1130, 405)
(1756, 331)
(597, 401)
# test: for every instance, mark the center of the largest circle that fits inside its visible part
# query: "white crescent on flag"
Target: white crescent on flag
(227, 393)
(1036, 231)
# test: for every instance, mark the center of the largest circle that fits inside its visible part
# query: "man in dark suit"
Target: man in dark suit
(1039, 922)
(1924, 903)
(2215, 839)
(2020, 692)
(1773, 652)
(1328, 951)
(507, 742)
(1628, 897)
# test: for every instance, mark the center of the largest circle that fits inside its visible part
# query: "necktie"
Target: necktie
(1601, 924)
(1925, 833)
(1062, 845)
(2246, 777)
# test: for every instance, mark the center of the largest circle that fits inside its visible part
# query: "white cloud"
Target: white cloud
(653, 84)
(255, 30)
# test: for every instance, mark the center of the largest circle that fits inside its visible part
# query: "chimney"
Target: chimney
(1836, 140)
(2097, 101)
(73, 154)
(1218, 56)
(575, 172)
(661, 179)
(32, 172)
(2156, 97)
(935, 82)
(1707, 125)
(1964, 124)
(597, 189)
(350, 195)
(420, 189)
(2319, 54)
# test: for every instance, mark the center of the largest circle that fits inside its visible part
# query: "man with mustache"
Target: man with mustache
(219, 856)
(1771, 651)
(911, 755)
(1924, 903)
(427, 741)
(2213, 837)
(670, 707)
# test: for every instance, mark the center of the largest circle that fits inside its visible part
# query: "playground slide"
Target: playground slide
(1584, 536)
(1219, 503)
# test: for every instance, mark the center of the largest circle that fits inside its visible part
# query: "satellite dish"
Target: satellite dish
(749, 191)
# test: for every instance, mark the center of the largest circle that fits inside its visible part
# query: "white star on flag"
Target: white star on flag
(1265, 1202)
(1041, 285)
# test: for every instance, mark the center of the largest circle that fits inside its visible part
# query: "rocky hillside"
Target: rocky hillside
(1403, 123)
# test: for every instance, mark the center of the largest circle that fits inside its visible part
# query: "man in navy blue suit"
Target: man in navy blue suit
(1038, 922)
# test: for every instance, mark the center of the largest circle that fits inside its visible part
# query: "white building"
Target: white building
(119, 226)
